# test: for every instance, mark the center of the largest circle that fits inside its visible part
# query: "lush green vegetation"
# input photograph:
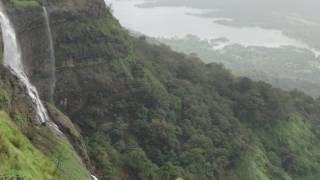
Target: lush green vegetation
(23, 3)
(147, 112)
(30, 150)
(27, 149)
(286, 151)
(286, 67)
(4, 99)
(68, 164)
(18, 156)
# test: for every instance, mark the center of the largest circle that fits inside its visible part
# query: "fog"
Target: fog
(306, 7)
(273, 41)
(249, 23)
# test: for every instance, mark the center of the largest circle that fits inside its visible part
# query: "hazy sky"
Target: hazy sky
(161, 21)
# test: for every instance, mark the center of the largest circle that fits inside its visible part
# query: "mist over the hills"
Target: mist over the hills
(308, 7)
(159, 90)
(263, 29)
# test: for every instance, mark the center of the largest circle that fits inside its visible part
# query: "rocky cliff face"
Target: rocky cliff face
(66, 20)
(54, 148)
(34, 151)
(88, 42)
(33, 35)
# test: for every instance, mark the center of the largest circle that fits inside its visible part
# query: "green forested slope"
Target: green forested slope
(286, 67)
(150, 113)
(147, 112)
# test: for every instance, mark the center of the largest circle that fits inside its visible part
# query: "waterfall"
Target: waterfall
(13, 61)
(93, 177)
(52, 54)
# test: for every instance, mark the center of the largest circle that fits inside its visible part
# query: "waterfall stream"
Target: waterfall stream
(13, 61)
(52, 54)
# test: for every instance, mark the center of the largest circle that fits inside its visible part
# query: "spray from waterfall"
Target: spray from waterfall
(52, 54)
(13, 61)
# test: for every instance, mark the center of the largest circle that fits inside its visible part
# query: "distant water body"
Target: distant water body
(167, 22)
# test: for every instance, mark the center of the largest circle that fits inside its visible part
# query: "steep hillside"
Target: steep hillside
(174, 115)
(27, 149)
(147, 112)
(19, 155)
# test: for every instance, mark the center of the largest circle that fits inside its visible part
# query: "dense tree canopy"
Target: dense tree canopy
(169, 115)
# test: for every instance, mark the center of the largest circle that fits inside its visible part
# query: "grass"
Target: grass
(19, 156)
(44, 156)
(69, 165)
(63, 121)
(25, 3)
(4, 99)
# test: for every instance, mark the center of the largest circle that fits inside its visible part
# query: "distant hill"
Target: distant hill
(288, 68)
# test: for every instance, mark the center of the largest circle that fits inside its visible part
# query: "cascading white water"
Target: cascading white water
(93, 177)
(13, 61)
(52, 54)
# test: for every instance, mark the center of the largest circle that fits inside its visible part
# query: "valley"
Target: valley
(161, 105)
